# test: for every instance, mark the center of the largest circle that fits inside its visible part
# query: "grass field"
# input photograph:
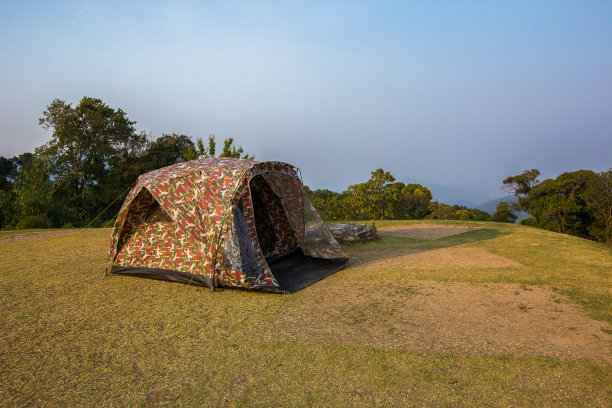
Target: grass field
(533, 331)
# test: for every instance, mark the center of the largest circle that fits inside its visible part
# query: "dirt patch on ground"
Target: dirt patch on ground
(359, 259)
(422, 231)
(36, 235)
(446, 258)
(446, 317)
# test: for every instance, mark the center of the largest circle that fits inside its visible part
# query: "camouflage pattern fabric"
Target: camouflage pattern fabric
(182, 218)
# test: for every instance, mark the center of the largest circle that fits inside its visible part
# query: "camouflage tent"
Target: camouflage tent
(224, 222)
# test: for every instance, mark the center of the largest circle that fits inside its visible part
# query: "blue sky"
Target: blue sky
(460, 93)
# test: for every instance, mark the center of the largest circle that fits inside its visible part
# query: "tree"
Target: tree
(376, 199)
(199, 151)
(504, 212)
(416, 200)
(33, 192)
(521, 184)
(8, 172)
(441, 211)
(559, 204)
(598, 197)
(90, 142)
(166, 150)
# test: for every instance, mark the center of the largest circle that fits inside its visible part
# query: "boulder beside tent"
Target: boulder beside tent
(224, 222)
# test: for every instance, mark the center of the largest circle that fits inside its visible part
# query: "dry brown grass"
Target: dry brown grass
(447, 317)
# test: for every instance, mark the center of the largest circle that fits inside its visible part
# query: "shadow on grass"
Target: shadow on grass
(389, 247)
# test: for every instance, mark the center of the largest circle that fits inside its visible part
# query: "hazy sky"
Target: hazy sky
(455, 93)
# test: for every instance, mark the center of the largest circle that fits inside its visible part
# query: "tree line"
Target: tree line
(93, 158)
(95, 155)
(384, 198)
(577, 202)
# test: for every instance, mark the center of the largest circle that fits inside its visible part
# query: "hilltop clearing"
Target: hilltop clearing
(495, 315)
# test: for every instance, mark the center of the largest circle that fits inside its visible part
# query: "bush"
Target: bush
(528, 221)
(67, 226)
(33, 221)
(504, 212)
(463, 215)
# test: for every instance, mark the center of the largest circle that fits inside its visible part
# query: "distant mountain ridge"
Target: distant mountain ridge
(491, 205)
(471, 199)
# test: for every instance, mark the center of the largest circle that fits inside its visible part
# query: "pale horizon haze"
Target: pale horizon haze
(455, 93)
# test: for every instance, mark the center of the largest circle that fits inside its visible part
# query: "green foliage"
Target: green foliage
(463, 215)
(577, 203)
(559, 204)
(33, 189)
(376, 199)
(504, 212)
(166, 150)
(416, 199)
(530, 222)
(328, 203)
(8, 172)
(598, 198)
(229, 150)
(92, 159)
(382, 198)
(90, 154)
(440, 211)
(521, 184)
(33, 221)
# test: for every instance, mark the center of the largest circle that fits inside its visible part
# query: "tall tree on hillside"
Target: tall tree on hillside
(521, 184)
(90, 141)
(559, 204)
(598, 196)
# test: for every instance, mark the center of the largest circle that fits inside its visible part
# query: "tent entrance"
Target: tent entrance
(292, 269)
(274, 232)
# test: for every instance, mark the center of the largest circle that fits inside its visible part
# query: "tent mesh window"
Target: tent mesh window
(239, 251)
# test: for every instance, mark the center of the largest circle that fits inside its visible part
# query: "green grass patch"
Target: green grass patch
(385, 243)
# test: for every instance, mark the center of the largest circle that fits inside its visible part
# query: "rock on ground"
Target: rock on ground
(353, 233)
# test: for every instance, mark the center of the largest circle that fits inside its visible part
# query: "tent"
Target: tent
(224, 222)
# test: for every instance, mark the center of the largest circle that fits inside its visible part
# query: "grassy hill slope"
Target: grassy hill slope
(72, 336)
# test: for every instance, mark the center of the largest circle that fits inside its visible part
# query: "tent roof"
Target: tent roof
(188, 190)
(224, 165)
